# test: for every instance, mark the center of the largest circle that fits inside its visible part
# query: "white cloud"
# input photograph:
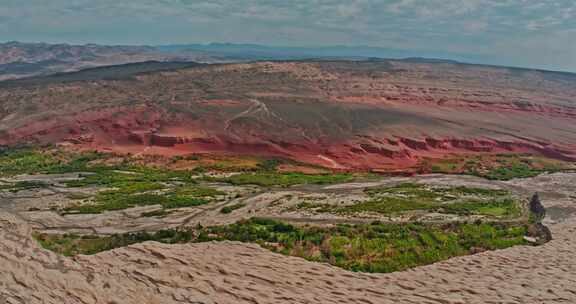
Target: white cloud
(473, 27)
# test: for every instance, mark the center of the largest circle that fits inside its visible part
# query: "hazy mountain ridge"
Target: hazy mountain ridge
(19, 60)
(252, 51)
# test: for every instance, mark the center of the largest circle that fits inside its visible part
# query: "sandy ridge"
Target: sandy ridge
(231, 272)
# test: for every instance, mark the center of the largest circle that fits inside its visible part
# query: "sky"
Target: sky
(531, 33)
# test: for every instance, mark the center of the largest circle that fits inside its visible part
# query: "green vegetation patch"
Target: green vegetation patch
(23, 185)
(131, 176)
(373, 247)
(137, 194)
(127, 185)
(410, 197)
(520, 170)
(73, 244)
(503, 207)
(25, 161)
(498, 166)
(139, 187)
(231, 208)
(284, 179)
(32, 161)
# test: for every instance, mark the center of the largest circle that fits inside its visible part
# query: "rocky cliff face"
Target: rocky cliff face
(344, 115)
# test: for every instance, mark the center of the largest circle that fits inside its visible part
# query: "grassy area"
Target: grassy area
(111, 202)
(513, 171)
(140, 186)
(23, 185)
(269, 179)
(13, 162)
(240, 163)
(221, 163)
(130, 182)
(73, 244)
(123, 177)
(499, 166)
(33, 161)
(503, 207)
(127, 185)
(410, 197)
(134, 194)
(369, 248)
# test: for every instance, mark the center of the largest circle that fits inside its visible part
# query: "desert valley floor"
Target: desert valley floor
(294, 181)
(233, 272)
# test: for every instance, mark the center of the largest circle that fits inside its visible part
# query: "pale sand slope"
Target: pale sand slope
(240, 273)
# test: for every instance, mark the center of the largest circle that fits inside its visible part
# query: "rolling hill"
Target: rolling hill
(349, 115)
(19, 60)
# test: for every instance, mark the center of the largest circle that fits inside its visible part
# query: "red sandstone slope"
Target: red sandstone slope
(353, 115)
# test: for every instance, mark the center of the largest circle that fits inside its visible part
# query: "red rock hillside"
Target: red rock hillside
(380, 114)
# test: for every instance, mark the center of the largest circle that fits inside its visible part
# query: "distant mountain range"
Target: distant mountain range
(255, 51)
(20, 60)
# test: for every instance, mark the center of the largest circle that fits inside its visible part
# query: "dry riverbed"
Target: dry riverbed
(313, 204)
(230, 272)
